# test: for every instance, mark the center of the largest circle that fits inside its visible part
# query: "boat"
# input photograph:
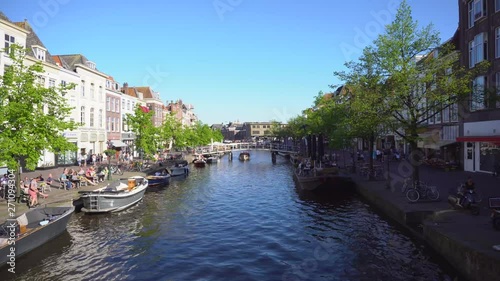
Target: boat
(114, 197)
(158, 180)
(244, 156)
(200, 163)
(314, 179)
(212, 159)
(31, 230)
(178, 170)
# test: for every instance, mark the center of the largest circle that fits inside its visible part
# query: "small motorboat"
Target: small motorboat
(178, 170)
(32, 229)
(200, 163)
(244, 156)
(114, 197)
(158, 180)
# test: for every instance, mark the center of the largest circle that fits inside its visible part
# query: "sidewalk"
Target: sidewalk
(463, 239)
(58, 196)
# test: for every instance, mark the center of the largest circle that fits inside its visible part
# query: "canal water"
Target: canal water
(235, 221)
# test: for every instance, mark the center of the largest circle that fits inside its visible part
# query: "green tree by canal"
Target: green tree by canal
(32, 117)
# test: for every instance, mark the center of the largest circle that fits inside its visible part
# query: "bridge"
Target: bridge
(222, 148)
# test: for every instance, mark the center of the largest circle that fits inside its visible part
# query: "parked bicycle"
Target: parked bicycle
(419, 190)
(116, 170)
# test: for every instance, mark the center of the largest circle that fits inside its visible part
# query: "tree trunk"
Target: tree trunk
(415, 160)
(370, 150)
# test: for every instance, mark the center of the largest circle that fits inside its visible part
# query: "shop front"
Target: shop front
(481, 145)
(67, 158)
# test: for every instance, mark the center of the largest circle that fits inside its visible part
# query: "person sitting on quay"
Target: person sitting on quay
(65, 178)
(88, 177)
(49, 180)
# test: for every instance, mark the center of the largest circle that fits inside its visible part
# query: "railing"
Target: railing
(278, 147)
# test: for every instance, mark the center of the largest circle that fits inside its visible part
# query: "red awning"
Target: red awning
(494, 139)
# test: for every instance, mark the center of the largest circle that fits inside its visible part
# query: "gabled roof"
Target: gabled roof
(4, 17)
(131, 92)
(148, 93)
(72, 60)
(33, 40)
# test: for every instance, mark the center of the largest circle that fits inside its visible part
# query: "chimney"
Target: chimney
(125, 88)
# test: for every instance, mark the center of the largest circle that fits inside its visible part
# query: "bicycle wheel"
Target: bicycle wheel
(432, 193)
(412, 195)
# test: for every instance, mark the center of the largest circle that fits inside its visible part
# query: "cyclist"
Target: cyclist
(468, 187)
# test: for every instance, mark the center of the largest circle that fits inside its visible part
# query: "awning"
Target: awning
(439, 144)
(118, 143)
(494, 139)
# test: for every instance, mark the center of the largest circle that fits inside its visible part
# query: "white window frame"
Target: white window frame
(100, 118)
(91, 123)
(82, 115)
(83, 88)
(9, 40)
(497, 5)
(108, 104)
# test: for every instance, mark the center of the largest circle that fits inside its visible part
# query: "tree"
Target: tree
(170, 130)
(32, 117)
(422, 77)
(146, 134)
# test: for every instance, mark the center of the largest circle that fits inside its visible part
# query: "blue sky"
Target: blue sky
(246, 60)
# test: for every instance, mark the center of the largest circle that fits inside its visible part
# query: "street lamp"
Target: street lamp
(388, 146)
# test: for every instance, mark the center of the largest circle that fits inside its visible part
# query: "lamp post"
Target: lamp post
(388, 146)
(109, 159)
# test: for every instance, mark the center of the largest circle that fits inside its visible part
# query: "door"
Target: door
(469, 156)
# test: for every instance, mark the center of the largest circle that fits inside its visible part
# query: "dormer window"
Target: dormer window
(90, 65)
(9, 40)
(39, 52)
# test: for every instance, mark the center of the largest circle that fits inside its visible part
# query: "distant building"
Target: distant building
(184, 113)
(257, 129)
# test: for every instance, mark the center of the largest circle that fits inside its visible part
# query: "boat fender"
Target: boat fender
(44, 222)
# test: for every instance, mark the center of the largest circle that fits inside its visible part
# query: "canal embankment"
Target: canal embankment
(465, 241)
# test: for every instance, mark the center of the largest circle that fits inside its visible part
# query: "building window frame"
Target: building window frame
(91, 123)
(9, 40)
(82, 115)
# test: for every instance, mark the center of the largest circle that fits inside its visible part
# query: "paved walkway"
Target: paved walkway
(56, 196)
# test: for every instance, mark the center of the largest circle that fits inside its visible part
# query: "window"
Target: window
(63, 83)
(52, 83)
(128, 105)
(112, 124)
(9, 40)
(90, 65)
(91, 117)
(108, 121)
(83, 88)
(39, 53)
(108, 84)
(478, 49)
(124, 125)
(82, 115)
(497, 41)
(438, 115)
(497, 5)
(446, 114)
(92, 90)
(477, 10)
(497, 78)
(117, 124)
(454, 112)
(100, 93)
(123, 103)
(108, 103)
(477, 95)
(100, 118)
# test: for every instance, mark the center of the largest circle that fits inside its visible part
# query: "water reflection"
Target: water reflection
(245, 220)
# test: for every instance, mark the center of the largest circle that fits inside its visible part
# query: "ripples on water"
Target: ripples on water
(234, 221)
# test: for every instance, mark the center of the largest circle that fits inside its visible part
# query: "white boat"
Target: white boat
(114, 197)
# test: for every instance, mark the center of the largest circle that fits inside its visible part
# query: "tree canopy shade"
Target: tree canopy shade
(32, 117)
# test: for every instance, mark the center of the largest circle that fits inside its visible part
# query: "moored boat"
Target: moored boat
(158, 180)
(178, 170)
(114, 197)
(32, 229)
(244, 156)
(199, 163)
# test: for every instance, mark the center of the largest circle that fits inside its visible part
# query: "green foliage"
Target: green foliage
(146, 134)
(32, 117)
(110, 152)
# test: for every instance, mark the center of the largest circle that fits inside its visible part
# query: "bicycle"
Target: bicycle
(419, 190)
(116, 170)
